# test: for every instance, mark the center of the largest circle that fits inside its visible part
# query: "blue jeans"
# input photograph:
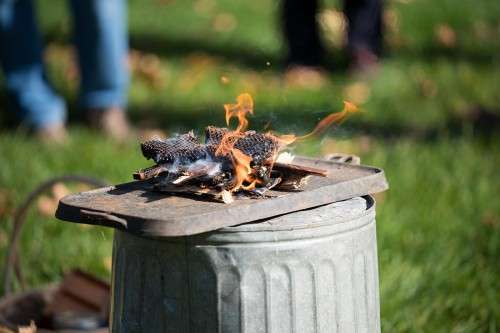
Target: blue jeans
(100, 31)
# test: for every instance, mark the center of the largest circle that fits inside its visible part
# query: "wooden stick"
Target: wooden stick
(299, 169)
(149, 173)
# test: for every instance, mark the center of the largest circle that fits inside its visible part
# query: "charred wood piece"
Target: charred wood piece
(294, 177)
(149, 173)
(299, 169)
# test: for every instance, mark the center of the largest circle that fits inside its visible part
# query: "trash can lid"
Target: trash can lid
(133, 207)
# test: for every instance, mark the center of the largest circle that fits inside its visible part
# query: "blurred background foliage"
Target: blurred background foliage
(431, 119)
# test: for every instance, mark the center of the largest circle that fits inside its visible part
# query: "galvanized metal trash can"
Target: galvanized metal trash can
(314, 270)
(293, 261)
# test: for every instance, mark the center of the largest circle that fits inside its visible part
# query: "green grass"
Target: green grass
(429, 120)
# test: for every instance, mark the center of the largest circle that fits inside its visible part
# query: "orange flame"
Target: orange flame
(243, 106)
(334, 118)
(241, 162)
(323, 125)
(242, 171)
(243, 177)
(227, 142)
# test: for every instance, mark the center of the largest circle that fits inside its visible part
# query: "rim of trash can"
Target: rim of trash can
(266, 231)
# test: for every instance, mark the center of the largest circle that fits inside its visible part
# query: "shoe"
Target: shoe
(305, 77)
(110, 121)
(52, 134)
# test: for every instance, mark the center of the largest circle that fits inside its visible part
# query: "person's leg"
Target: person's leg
(21, 60)
(364, 39)
(100, 29)
(301, 32)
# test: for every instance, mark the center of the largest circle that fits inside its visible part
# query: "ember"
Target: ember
(239, 161)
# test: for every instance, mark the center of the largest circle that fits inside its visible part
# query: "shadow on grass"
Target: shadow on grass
(294, 120)
(8, 118)
(239, 54)
(180, 47)
(245, 55)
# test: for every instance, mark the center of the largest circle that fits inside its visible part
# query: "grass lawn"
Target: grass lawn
(430, 120)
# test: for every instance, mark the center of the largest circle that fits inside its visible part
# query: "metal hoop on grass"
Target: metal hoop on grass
(12, 259)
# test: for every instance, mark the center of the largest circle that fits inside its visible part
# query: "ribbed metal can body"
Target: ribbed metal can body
(309, 271)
